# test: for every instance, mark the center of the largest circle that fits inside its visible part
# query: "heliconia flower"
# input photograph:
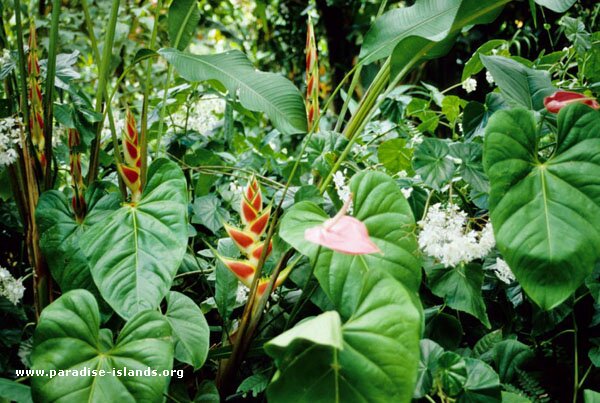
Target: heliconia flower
(555, 102)
(36, 119)
(78, 200)
(248, 240)
(343, 233)
(130, 170)
(312, 77)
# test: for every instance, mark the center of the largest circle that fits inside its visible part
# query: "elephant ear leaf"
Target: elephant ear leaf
(546, 211)
(68, 338)
(134, 252)
(60, 233)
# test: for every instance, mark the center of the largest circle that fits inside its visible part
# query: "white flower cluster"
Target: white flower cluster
(9, 138)
(444, 236)
(10, 288)
(343, 190)
(469, 85)
(201, 116)
(489, 78)
(502, 271)
(5, 58)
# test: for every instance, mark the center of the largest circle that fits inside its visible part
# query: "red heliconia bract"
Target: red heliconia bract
(555, 102)
(131, 168)
(312, 78)
(248, 240)
(36, 119)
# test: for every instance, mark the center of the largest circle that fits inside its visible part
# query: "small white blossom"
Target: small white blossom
(469, 85)
(241, 294)
(343, 190)
(9, 139)
(201, 116)
(489, 78)
(403, 174)
(10, 287)
(503, 272)
(5, 58)
(406, 192)
(460, 128)
(444, 236)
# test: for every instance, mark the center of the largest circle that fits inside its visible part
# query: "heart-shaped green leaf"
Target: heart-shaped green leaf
(68, 338)
(190, 329)
(433, 162)
(367, 366)
(379, 203)
(546, 212)
(60, 233)
(134, 252)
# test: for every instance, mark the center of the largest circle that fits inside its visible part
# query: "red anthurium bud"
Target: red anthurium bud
(555, 102)
(243, 240)
(259, 225)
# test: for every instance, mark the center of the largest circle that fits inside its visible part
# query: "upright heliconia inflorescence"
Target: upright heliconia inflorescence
(248, 239)
(36, 117)
(312, 78)
(78, 200)
(130, 170)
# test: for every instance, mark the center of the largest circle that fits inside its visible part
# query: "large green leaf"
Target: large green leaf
(418, 47)
(68, 338)
(183, 19)
(14, 391)
(509, 355)
(432, 160)
(377, 361)
(431, 19)
(379, 203)
(258, 91)
(559, 6)
(460, 287)
(60, 233)
(134, 252)
(546, 213)
(518, 83)
(190, 329)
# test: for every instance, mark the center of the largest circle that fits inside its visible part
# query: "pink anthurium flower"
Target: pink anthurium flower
(343, 233)
(555, 102)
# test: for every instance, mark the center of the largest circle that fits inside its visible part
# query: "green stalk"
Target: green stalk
(100, 91)
(144, 122)
(49, 95)
(22, 68)
(111, 119)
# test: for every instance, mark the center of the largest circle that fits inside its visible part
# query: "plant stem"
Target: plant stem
(298, 304)
(49, 95)
(144, 122)
(575, 359)
(22, 68)
(100, 91)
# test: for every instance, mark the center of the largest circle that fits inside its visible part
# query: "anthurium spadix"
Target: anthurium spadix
(130, 169)
(249, 239)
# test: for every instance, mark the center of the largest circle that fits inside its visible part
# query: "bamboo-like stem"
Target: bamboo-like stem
(22, 68)
(100, 91)
(111, 119)
(144, 120)
(49, 95)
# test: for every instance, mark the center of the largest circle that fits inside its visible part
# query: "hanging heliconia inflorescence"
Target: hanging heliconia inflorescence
(312, 78)
(130, 170)
(78, 200)
(248, 240)
(36, 117)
